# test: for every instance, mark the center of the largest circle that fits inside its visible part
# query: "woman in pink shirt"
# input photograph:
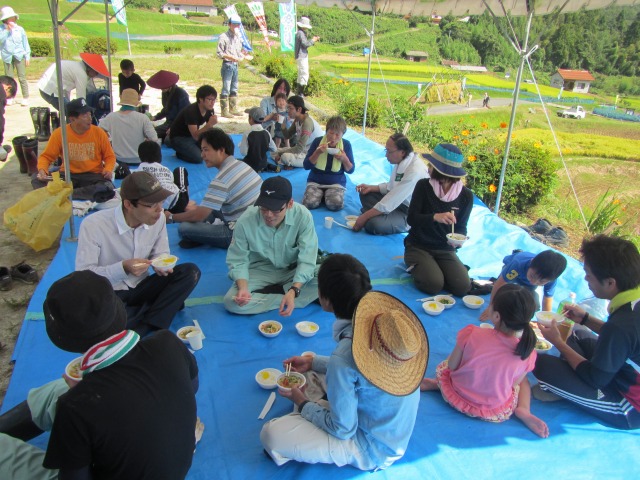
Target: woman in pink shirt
(486, 374)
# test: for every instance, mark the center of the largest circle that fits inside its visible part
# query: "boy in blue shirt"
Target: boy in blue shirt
(531, 271)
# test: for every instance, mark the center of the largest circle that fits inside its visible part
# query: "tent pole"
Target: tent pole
(366, 95)
(106, 18)
(523, 55)
(53, 6)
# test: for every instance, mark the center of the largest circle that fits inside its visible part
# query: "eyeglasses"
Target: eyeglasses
(273, 212)
(150, 205)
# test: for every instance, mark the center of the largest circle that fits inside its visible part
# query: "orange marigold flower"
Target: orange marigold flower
(465, 141)
(503, 125)
(492, 188)
(616, 201)
(472, 158)
(473, 116)
(496, 151)
(456, 137)
(484, 125)
(464, 133)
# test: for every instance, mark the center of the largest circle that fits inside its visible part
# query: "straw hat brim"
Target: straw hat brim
(393, 377)
(163, 79)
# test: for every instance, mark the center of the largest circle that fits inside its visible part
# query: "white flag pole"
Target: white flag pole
(128, 41)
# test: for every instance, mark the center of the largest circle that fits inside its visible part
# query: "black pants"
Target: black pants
(160, 298)
(556, 375)
(86, 186)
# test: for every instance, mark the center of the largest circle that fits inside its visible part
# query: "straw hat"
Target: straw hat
(129, 97)
(95, 61)
(163, 79)
(304, 23)
(447, 159)
(7, 12)
(390, 346)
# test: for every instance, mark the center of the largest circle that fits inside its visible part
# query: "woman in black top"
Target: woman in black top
(438, 203)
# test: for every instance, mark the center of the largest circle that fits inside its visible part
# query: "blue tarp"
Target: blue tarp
(445, 444)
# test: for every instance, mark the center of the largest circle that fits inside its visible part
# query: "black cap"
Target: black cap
(77, 107)
(275, 193)
(77, 321)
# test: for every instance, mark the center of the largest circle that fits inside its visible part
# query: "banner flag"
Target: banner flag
(287, 26)
(121, 13)
(258, 13)
(231, 10)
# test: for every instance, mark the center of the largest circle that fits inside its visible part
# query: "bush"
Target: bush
(41, 47)
(352, 110)
(99, 45)
(197, 14)
(316, 83)
(530, 173)
(280, 66)
(170, 49)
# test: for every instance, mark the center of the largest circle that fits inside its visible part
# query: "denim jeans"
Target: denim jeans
(53, 100)
(206, 232)
(229, 74)
(186, 148)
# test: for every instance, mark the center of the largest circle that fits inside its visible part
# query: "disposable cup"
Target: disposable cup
(280, 118)
(565, 329)
(195, 339)
(328, 222)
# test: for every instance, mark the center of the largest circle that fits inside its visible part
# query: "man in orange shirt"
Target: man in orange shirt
(91, 158)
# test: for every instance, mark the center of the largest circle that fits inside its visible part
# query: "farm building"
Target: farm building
(417, 56)
(184, 7)
(572, 80)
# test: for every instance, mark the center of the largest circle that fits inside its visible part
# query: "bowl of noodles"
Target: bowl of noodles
(287, 381)
(542, 346)
(72, 370)
(164, 262)
(270, 328)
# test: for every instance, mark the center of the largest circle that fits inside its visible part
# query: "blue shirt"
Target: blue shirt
(515, 271)
(326, 176)
(381, 424)
(14, 43)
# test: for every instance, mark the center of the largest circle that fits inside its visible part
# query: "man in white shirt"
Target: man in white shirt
(120, 245)
(385, 206)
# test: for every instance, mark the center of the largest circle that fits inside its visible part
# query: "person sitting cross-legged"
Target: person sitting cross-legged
(234, 188)
(121, 243)
(129, 413)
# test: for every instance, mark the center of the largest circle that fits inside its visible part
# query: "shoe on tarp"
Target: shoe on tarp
(541, 227)
(557, 236)
(25, 273)
(5, 279)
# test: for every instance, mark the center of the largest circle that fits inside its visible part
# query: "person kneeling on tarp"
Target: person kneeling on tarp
(129, 413)
(370, 380)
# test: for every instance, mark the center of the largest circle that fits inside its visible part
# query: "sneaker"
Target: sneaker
(5, 279)
(557, 236)
(541, 227)
(543, 395)
(24, 272)
(24, 102)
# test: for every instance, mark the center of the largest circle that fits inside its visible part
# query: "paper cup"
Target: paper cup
(328, 222)
(565, 329)
(280, 118)
(195, 340)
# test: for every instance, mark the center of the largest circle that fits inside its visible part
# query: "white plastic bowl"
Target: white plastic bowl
(184, 331)
(545, 318)
(486, 325)
(333, 151)
(351, 223)
(267, 377)
(472, 301)
(266, 323)
(433, 308)
(307, 329)
(300, 376)
(164, 262)
(73, 369)
(447, 301)
(456, 239)
(349, 218)
(542, 345)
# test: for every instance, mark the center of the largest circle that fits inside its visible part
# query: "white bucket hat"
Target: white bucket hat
(7, 12)
(305, 23)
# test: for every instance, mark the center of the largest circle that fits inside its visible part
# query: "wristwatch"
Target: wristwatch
(296, 291)
(170, 218)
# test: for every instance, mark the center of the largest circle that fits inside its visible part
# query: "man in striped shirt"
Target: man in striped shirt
(233, 189)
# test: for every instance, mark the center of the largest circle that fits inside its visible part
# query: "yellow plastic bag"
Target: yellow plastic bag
(38, 217)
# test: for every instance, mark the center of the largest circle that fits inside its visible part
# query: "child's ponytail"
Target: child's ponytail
(516, 307)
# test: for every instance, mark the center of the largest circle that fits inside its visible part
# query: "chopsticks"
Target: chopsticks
(197, 324)
(343, 226)
(139, 264)
(287, 369)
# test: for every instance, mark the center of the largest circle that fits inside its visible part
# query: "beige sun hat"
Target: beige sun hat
(304, 23)
(7, 12)
(390, 345)
(129, 98)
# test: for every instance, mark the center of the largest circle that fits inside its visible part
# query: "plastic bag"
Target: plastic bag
(38, 217)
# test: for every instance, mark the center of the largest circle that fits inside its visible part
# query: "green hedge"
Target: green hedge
(41, 47)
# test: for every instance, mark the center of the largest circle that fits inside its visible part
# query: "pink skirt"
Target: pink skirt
(496, 414)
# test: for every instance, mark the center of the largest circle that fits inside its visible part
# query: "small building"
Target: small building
(449, 63)
(184, 7)
(572, 80)
(417, 56)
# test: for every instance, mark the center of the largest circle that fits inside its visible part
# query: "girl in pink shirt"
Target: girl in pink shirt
(486, 374)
